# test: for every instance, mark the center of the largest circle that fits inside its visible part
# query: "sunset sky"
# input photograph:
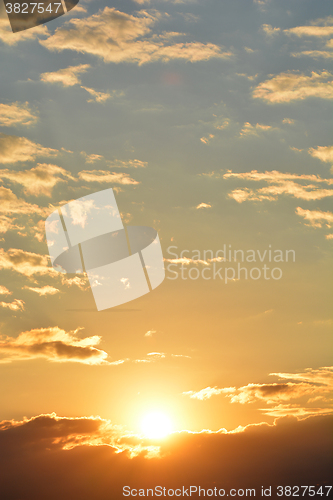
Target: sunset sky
(212, 122)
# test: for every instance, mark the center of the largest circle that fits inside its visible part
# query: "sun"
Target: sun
(156, 425)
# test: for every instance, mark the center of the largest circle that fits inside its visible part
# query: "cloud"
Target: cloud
(12, 115)
(150, 333)
(26, 263)
(204, 205)
(316, 217)
(37, 180)
(313, 53)
(53, 344)
(11, 204)
(16, 305)
(208, 392)
(44, 290)
(92, 157)
(249, 129)
(102, 176)
(15, 149)
(67, 76)
(280, 183)
(116, 37)
(269, 30)
(93, 457)
(316, 31)
(151, 357)
(323, 153)
(10, 38)
(97, 96)
(4, 291)
(287, 87)
(312, 385)
(128, 164)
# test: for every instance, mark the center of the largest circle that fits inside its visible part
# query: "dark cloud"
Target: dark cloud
(88, 458)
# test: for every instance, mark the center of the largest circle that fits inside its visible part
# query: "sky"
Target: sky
(212, 123)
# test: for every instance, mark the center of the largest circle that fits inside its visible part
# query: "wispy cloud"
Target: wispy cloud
(66, 76)
(97, 96)
(12, 115)
(37, 180)
(8, 38)
(316, 218)
(18, 149)
(126, 38)
(294, 395)
(208, 392)
(287, 87)
(16, 305)
(102, 176)
(44, 290)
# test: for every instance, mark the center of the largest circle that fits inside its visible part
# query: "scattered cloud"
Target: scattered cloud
(280, 183)
(4, 291)
(204, 205)
(207, 140)
(102, 176)
(16, 305)
(287, 87)
(269, 30)
(53, 344)
(296, 393)
(150, 333)
(18, 149)
(39, 180)
(12, 115)
(26, 263)
(316, 218)
(97, 96)
(126, 38)
(128, 164)
(92, 157)
(10, 38)
(314, 31)
(11, 204)
(323, 153)
(249, 129)
(44, 290)
(208, 392)
(67, 76)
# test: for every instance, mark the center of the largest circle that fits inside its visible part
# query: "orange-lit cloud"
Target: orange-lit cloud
(16, 149)
(287, 87)
(26, 263)
(44, 290)
(101, 176)
(12, 115)
(208, 392)
(66, 76)
(323, 153)
(97, 96)
(280, 183)
(93, 457)
(37, 180)
(249, 129)
(121, 39)
(312, 385)
(11, 204)
(53, 344)
(8, 38)
(316, 218)
(16, 305)
(204, 205)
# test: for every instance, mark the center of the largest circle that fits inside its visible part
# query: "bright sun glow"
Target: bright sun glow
(156, 425)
